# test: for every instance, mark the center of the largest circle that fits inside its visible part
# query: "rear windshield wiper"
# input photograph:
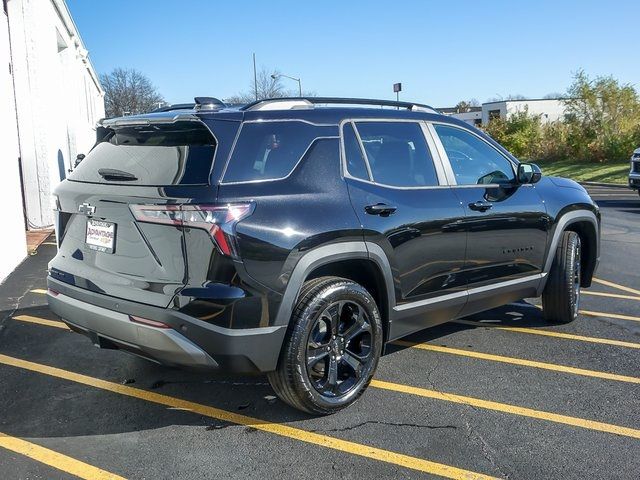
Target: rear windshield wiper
(112, 175)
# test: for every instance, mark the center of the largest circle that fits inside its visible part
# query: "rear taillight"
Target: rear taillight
(218, 220)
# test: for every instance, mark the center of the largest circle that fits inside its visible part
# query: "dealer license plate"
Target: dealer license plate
(101, 236)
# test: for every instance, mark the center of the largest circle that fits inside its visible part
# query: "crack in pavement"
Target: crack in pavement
(379, 422)
(487, 452)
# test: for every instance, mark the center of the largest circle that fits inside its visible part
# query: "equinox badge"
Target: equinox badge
(87, 209)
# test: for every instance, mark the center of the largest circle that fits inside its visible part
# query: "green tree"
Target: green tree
(602, 117)
(520, 133)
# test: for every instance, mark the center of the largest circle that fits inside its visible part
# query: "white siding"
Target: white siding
(57, 95)
(14, 244)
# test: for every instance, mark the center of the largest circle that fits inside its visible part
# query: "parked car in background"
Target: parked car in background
(634, 172)
(298, 237)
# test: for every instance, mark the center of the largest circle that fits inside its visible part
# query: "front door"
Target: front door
(399, 193)
(506, 222)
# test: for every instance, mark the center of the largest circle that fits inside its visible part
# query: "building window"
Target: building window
(494, 114)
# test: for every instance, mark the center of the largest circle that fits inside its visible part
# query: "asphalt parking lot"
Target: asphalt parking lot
(499, 394)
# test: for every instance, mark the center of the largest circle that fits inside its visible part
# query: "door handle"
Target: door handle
(380, 209)
(480, 206)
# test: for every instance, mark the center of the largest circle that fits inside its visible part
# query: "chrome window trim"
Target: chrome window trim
(468, 292)
(343, 153)
(435, 158)
(293, 169)
(233, 148)
(449, 169)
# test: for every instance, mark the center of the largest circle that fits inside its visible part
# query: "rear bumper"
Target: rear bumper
(188, 343)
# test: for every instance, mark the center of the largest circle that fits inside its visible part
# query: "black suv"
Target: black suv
(300, 236)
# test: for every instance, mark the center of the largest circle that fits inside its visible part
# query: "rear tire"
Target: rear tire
(561, 295)
(331, 349)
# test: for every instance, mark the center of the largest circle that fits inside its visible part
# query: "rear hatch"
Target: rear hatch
(102, 247)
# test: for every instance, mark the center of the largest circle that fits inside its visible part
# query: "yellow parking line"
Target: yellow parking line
(547, 333)
(449, 350)
(519, 361)
(610, 295)
(40, 321)
(346, 446)
(595, 314)
(609, 315)
(55, 459)
(510, 409)
(41, 291)
(615, 285)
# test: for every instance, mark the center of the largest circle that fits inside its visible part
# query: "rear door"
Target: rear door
(506, 222)
(101, 246)
(398, 190)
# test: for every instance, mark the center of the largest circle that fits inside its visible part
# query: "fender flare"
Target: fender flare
(328, 254)
(561, 225)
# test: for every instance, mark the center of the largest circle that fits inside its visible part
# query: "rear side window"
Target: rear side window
(271, 150)
(398, 154)
(180, 153)
(355, 159)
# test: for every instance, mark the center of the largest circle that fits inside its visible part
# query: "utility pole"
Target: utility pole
(255, 77)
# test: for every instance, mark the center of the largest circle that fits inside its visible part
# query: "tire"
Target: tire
(561, 295)
(331, 349)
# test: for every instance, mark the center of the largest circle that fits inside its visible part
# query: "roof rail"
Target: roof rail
(289, 103)
(208, 103)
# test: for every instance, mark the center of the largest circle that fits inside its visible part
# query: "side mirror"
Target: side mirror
(79, 158)
(529, 173)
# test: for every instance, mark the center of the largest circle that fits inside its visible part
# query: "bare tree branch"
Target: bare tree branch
(128, 92)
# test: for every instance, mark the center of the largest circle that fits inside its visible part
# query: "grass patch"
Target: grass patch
(610, 172)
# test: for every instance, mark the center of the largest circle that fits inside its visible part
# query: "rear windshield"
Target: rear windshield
(271, 150)
(180, 153)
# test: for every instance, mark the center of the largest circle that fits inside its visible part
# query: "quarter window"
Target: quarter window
(474, 161)
(270, 150)
(355, 159)
(398, 154)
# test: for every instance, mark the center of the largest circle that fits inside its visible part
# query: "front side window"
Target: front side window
(398, 154)
(270, 150)
(474, 161)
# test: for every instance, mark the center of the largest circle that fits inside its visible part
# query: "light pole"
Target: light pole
(274, 76)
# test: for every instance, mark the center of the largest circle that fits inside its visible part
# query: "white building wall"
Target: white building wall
(14, 244)
(58, 98)
(547, 110)
(472, 118)
(550, 110)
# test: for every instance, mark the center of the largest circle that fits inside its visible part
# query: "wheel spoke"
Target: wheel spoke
(331, 384)
(335, 319)
(314, 355)
(359, 326)
(354, 362)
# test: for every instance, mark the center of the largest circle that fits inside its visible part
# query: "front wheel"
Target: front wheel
(561, 296)
(332, 347)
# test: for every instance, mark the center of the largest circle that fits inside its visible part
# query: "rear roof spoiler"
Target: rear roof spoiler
(148, 119)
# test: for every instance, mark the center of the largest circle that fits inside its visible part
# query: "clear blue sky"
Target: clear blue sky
(441, 51)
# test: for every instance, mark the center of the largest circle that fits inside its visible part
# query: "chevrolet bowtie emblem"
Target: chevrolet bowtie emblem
(87, 209)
